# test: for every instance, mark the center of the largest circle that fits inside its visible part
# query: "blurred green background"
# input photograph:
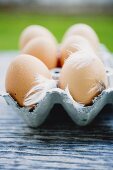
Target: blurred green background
(11, 25)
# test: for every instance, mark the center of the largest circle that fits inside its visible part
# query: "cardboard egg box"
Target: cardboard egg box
(81, 115)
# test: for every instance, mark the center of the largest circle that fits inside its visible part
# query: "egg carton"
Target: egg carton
(81, 115)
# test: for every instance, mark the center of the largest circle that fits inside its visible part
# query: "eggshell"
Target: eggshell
(72, 44)
(87, 32)
(21, 76)
(84, 75)
(43, 48)
(81, 115)
(34, 31)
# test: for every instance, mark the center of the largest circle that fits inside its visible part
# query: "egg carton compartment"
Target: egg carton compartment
(81, 115)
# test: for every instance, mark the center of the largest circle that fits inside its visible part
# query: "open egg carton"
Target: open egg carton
(81, 115)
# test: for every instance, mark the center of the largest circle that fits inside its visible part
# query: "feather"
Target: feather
(37, 92)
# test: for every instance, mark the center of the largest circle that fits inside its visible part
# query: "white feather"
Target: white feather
(38, 91)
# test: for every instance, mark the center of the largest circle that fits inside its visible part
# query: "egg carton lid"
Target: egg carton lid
(81, 115)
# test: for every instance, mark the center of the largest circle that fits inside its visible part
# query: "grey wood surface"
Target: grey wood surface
(58, 143)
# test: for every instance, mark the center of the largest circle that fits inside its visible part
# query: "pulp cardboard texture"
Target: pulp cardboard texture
(81, 115)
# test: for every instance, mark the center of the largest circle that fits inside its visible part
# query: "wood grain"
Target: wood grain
(57, 144)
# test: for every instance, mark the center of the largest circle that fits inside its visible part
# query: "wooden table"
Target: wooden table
(58, 143)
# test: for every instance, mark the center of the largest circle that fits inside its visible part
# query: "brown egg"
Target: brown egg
(72, 44)
(43, 48)
(87, 32)
(34, 31)
(21, 75)
(84, 75)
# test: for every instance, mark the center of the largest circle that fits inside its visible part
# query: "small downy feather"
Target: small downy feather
(38, 91)
(98, 86)
(82, 62)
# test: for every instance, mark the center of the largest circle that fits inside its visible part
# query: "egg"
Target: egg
(34, 31)
(72, 44)
(84, 75)
(43, 48)
(87, 32)
(21, 75)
